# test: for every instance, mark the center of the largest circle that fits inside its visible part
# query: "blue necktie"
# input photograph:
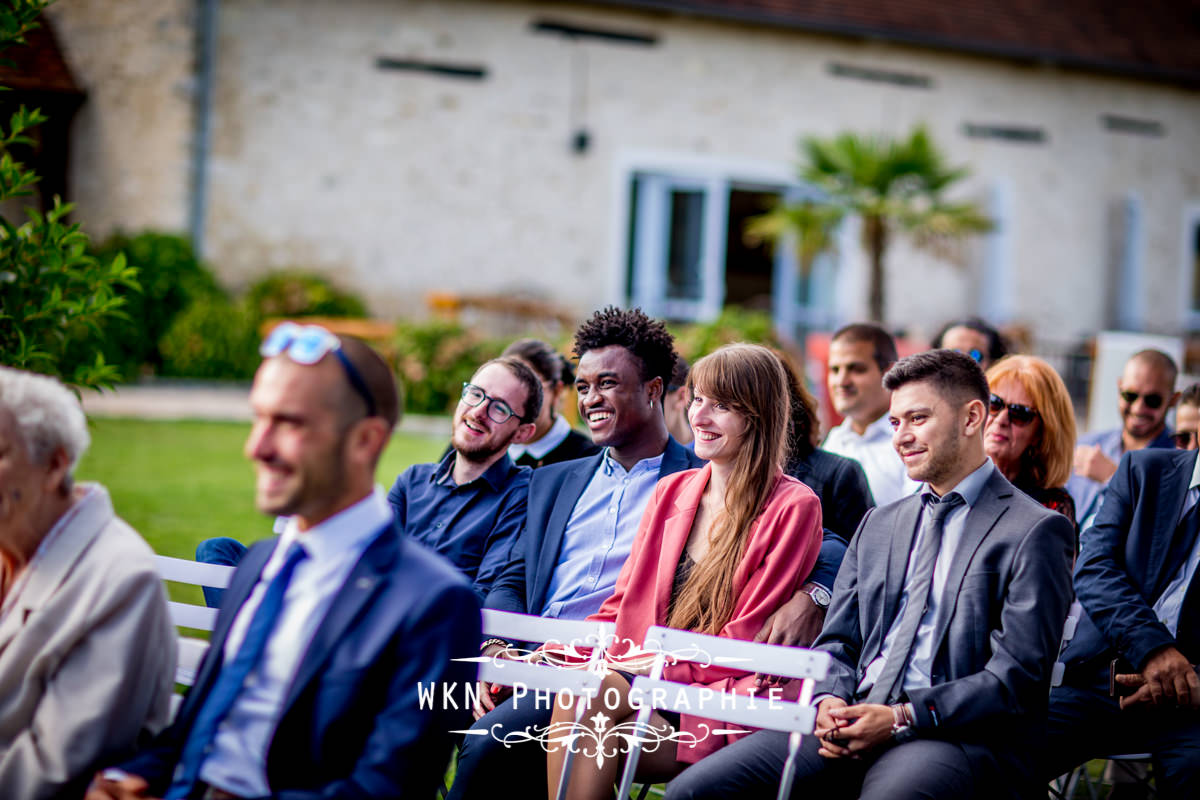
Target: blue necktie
(229, 682)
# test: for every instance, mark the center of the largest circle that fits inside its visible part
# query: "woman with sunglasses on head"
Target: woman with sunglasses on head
(1030, 433)
(719, 549)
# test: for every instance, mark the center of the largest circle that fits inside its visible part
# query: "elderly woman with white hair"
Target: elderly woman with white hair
(87, 649)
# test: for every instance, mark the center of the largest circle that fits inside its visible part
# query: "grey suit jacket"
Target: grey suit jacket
(87, 655)
(999, 624)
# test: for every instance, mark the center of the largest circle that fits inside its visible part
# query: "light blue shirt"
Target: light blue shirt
(237, 762)
(920, 664)
(1170, 602)
(599, 536)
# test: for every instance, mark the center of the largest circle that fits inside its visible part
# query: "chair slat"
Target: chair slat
(755, 712)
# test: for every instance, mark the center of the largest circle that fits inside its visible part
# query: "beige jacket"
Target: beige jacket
(87, 654)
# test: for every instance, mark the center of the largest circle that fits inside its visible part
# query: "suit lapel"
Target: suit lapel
(56, 562)
(364, 581)
(1167, 513)
(903, 533)
(989, 507)
(568, 495)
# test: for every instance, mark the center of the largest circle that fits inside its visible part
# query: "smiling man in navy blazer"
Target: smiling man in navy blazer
(310, 687)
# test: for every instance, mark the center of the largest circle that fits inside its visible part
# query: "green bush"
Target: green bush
(56, 300)
(434, 358)
(171, 278)
(214, 339)
(301, 294)
(732, 325)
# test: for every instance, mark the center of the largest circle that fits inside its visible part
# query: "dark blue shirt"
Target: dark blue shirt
(474, 525)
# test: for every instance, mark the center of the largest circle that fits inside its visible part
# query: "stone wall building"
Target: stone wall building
(587, 153)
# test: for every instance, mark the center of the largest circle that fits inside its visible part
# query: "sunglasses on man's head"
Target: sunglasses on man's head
(1184, 440)
(1018, 414)
(1151, 400)
(308, 344)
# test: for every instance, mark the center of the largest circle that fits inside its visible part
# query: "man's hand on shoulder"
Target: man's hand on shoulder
(1090, 462)
(794, 624)
(1168, 679)
(117, 786)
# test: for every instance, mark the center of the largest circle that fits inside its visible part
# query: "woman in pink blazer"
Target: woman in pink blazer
(719, 549)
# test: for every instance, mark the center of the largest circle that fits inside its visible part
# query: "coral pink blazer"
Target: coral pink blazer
(780, 552)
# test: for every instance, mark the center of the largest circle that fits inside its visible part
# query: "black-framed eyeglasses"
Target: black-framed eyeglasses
(1153, 400)
(1018, 414)
(1184, 440)
(498, 411)
(308, 344)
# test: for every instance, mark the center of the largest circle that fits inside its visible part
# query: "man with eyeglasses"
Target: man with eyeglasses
(470, 505)
(310, 687)
(1146, 392)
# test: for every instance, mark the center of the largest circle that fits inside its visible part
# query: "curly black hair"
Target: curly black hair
(646, 338)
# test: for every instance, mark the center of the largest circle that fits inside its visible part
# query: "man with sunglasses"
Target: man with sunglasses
(470, 506)
(1146, 392)
(311, 684)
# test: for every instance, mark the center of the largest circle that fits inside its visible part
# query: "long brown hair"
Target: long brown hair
(750, 379)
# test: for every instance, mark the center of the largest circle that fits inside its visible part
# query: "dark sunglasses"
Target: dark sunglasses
(1151, 400)
(308, 344)
(1184, 440)
(1017, 413)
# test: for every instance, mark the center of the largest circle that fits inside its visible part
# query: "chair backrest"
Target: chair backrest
(790, 662)
(1069, 628)
(570, 634)
(577, 673)
(188, 615)
(796, 718)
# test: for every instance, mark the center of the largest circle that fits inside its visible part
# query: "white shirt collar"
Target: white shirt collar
(553, 438)
(349, 529)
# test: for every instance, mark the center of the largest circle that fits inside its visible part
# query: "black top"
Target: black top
(1055, 498)
(576, 445)
(841, 486)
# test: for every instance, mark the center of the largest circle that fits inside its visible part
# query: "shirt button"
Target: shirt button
(612, 510)
(439, 525)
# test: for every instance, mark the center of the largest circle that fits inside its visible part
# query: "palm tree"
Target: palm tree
(893, 185)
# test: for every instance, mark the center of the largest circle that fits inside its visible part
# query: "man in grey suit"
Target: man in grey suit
(944, 625)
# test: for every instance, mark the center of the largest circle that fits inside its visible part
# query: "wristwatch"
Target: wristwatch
(819, 594)
(902, 729)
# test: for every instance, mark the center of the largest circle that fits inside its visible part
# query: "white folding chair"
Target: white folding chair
(187, 615)
(582, 681)
(797, 718)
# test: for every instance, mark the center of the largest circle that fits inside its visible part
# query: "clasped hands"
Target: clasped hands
(1168, 679)
(849, 731)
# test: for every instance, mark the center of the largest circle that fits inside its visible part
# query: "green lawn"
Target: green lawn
(180, 482)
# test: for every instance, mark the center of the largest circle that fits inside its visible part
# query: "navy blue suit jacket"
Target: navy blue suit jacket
(1125, 562)
(553, 492)
(351, 725)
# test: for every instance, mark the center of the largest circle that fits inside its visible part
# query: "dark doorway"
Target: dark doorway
(749, 271)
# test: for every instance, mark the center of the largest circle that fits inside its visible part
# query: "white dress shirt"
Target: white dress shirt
(873, 450)
(1170, 602)
(237, 762)
(553, 438)
(916, 676)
